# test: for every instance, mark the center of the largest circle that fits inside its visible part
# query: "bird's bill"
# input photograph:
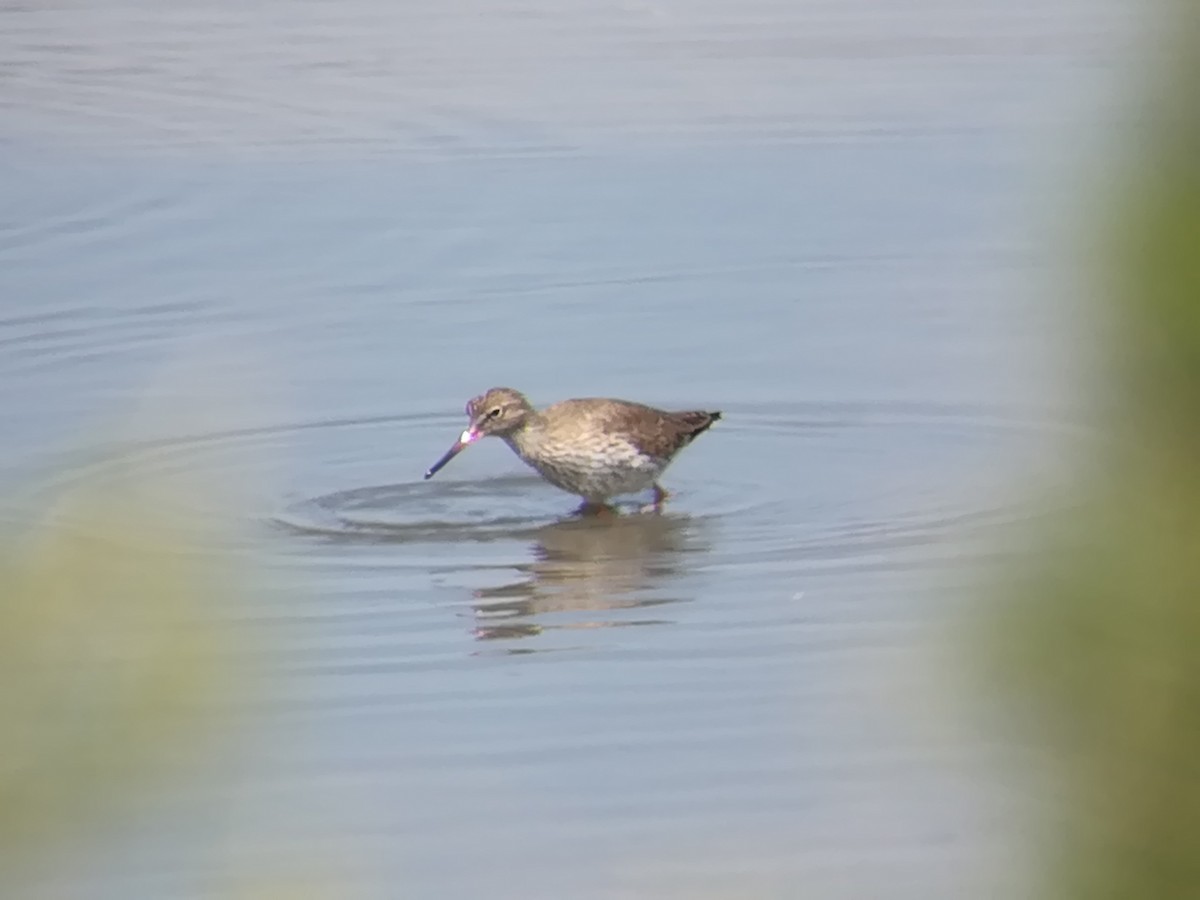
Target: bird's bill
(467, 438)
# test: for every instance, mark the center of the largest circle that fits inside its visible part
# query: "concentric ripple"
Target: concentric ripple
(505, 506)
(812, 483)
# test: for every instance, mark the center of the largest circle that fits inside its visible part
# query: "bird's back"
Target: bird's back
(652, 431)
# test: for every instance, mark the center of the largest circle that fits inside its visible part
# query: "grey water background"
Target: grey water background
(828, 220)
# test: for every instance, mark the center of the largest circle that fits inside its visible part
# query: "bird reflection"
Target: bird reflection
(589, 562)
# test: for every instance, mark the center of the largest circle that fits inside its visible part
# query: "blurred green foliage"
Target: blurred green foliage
(1099, 636)
(109, 661)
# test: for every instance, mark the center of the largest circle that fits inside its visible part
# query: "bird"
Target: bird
(594, 447)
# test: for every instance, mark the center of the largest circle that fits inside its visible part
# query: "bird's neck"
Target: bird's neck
(524, 441)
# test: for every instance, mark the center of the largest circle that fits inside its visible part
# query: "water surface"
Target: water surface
(288, 241)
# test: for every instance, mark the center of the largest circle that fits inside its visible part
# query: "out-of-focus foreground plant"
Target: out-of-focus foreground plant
(109, 662)
(1100, 631)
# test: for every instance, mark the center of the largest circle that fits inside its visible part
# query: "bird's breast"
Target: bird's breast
(601, 467)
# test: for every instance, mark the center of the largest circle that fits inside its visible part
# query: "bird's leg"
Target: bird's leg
(660, 497)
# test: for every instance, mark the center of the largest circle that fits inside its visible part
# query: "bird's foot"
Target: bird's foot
(660, 497)
(592, 508)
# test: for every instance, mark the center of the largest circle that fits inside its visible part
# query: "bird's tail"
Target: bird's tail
(697, 422)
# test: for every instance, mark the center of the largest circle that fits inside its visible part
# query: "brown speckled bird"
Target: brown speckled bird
(593, 447)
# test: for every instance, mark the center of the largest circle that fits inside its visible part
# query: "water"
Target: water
(290, 240)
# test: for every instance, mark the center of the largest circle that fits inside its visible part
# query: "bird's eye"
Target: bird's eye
(494, 414)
